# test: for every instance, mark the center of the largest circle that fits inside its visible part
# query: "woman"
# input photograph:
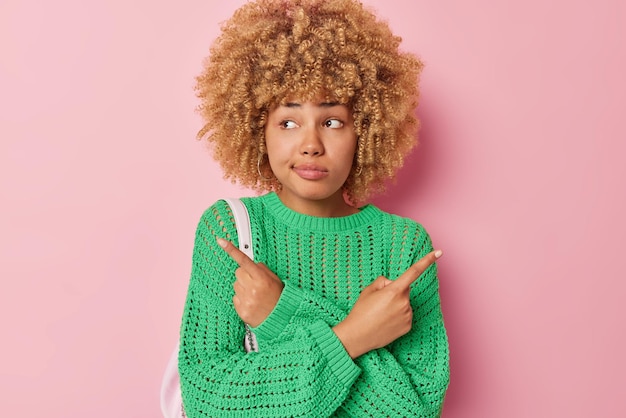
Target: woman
(311, 102)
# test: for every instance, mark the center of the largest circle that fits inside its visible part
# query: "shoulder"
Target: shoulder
(218, 219)
(406, 232)
(221, 210)
(397, 221)
(217, 213)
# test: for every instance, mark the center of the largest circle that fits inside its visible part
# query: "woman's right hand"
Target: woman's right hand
(257, 288)
(383, 312)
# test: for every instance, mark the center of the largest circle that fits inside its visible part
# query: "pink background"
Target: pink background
(519, 178)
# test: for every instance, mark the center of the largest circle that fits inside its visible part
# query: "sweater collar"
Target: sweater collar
(277, 209)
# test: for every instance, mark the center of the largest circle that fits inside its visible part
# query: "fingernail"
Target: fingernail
(221, 242)
(438, 253)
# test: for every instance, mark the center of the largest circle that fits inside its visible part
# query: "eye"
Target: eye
(288, 124)
(333, 123)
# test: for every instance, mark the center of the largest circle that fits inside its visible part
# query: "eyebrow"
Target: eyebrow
(323, 104)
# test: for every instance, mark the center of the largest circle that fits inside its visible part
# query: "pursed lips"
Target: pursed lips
(310, 171)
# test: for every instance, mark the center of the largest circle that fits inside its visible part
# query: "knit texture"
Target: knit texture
(302, 369)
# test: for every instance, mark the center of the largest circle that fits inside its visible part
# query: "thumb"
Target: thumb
(379, 283)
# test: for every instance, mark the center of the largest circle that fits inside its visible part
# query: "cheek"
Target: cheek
(279, 153)
(272, 144)
(345, 158)
(275, 150)
(350, 151)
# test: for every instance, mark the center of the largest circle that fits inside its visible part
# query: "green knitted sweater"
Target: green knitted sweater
(302, 369)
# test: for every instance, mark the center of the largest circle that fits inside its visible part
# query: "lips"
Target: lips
(310, 171)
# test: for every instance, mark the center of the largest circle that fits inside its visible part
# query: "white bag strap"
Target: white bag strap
(244, 232)
(242, 222)
(171, 397)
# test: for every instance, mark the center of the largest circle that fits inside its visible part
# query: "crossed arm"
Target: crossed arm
(382, 314)
(303, 336)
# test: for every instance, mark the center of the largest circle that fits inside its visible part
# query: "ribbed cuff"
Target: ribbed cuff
(281, 315)
(338, 358)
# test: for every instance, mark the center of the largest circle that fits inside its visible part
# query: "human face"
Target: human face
(311, 147)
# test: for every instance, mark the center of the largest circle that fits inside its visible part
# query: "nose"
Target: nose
(311, 144)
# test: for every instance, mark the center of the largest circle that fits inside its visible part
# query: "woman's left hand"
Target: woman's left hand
(257, 288)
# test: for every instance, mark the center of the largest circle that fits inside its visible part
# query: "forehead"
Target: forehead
(323, 99)
(298, 104)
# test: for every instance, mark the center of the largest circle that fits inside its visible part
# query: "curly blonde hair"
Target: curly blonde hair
(273, 50)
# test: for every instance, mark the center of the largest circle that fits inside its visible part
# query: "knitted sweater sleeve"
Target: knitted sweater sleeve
(410, 376)
(305, 372)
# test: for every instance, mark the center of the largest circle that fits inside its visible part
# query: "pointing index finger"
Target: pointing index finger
(413, 273)
(236, 254)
